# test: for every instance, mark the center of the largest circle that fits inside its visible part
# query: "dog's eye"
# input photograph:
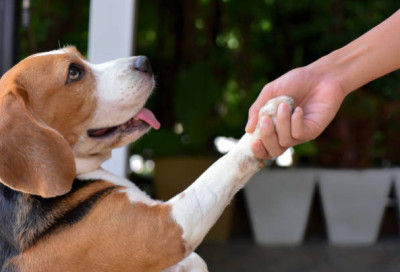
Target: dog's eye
(75, 73)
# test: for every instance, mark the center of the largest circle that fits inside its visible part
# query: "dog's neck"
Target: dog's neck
(90, 163)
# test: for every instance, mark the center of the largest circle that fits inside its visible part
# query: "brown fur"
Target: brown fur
(41, 117)
(44, 157)
(56, 209)
(63, 107)
(115, 236)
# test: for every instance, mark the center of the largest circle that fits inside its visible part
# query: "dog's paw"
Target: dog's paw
(271, 107)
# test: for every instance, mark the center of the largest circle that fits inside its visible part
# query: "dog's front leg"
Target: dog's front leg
(199, 206)
(192, 263)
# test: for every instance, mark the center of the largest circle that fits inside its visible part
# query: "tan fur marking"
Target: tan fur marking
(115, 236)
(45, 159)
(64, 205)
(66, 108)
(41, 118)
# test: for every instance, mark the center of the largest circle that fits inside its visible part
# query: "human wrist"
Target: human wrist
(345, 66)
(368, 57)
(327, 70)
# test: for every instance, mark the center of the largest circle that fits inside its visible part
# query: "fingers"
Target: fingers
(289, 131)
(259, 150)
(252, 122)
(298, 124)
(262, 98)
(269, 137)
(268, 147)
(283, 125)
(290, 126)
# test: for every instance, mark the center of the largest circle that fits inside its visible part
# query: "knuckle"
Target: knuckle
(298, 135)
(275, 154)
(255, 107)
(251, 110)
(267, 132)
(259, 153)
(262, 156)
(267, 136)
(285, 143)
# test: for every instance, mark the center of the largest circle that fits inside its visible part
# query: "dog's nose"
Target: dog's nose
(142, 64)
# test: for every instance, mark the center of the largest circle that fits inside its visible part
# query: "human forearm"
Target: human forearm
(371, 56)
(319, 88)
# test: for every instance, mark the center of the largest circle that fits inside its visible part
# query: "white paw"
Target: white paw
(271, 107)
(192, 263)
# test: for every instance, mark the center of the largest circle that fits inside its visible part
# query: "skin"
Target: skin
(320, 88)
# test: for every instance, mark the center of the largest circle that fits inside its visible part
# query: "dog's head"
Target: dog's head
(61, 116)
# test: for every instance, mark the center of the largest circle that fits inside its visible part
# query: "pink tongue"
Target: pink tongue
(147, 116)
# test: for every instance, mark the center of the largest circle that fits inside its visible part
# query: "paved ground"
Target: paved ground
(241, 255)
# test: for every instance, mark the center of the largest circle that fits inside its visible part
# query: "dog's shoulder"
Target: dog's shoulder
(26, 219)
(8, 204)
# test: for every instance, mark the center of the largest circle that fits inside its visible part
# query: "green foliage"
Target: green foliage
(164, 142)
(212, 58)
(55, 23)
(195, 96)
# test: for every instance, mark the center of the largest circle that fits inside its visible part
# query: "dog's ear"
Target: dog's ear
(34, 158)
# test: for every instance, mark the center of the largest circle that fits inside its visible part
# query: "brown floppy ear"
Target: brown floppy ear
(34, 158)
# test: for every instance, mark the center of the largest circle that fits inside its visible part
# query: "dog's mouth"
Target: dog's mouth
(141, 121)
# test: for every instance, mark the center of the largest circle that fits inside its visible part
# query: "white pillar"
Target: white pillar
(111, 36)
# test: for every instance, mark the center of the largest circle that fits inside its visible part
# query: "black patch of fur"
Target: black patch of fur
(24, 219)
(78, 212)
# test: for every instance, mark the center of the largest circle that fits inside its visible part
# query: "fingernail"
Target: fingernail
(282, 107)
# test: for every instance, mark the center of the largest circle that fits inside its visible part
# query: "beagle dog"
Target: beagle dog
(60, 117)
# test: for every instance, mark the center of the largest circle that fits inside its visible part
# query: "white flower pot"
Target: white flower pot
(354, 203)
(279, 204)
(396, 175)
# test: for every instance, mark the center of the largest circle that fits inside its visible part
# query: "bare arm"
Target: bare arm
(320, 88)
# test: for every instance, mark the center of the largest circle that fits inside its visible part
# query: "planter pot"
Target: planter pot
(396, 175)
(279, 203)
(174, 174)
(353, 204)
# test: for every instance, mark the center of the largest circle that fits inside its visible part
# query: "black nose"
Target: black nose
(142, 64)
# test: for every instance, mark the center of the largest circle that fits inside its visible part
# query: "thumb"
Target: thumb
(263, 97)
(251, 123)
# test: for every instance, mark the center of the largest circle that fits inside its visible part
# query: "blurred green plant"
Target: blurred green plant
(213, 57)
(54, 24)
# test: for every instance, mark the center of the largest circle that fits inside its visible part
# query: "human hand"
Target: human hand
(317, 100)
(319, 88)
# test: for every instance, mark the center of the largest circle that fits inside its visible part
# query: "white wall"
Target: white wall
(111, 36)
